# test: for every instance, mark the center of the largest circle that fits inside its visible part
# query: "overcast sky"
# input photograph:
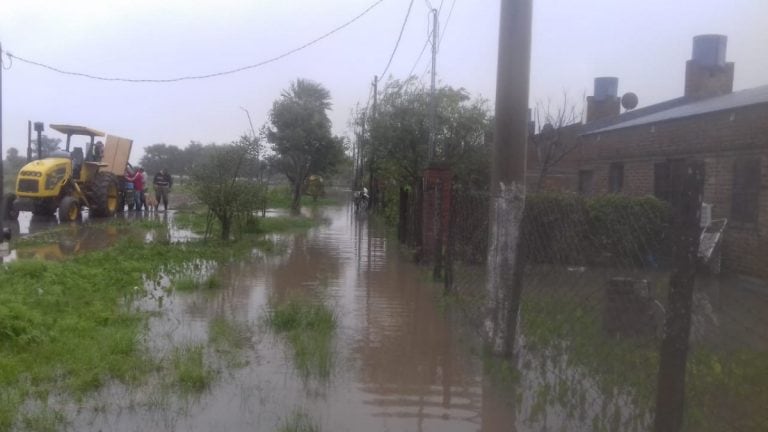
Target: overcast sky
(644, 43)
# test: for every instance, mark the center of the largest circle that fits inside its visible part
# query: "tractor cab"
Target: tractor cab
(89, 158)
(68, 180)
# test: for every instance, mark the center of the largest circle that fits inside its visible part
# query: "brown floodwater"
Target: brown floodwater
(399, 363)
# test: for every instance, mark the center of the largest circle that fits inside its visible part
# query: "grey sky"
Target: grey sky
(644, 43)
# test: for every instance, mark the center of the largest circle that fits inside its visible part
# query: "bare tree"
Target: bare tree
(554, 134)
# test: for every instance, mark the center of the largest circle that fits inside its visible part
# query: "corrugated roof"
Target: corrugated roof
(681, 109)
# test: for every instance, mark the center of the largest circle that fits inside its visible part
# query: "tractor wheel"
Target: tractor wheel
(69, 209)
(44, 207)
(10, 213)
(103, 195)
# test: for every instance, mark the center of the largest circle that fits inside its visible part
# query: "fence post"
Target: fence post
(670, 396)
(437, 223)
(402, 221)
(451, 243)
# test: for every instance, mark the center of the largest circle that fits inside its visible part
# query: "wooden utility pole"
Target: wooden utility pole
(432, 102)
(504, 280)
(372, 189)
(375, 95)
(670, 392)
(3, 210)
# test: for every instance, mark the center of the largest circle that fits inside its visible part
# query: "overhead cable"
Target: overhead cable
(400, 36)
(445, 25)
(198, 77)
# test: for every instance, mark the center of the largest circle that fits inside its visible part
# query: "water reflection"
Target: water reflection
(400, 364)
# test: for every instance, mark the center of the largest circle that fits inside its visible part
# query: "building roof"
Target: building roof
(680, 108)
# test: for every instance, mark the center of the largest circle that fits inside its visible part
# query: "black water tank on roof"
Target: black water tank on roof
(709, 49)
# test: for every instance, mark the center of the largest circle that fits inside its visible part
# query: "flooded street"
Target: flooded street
(398, 364)
(398, 358)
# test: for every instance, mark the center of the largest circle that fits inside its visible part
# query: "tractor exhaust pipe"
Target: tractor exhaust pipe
(39, 129)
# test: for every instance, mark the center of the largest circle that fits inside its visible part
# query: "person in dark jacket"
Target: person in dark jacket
(163, 183)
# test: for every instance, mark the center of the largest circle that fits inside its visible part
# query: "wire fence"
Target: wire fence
(600, 309)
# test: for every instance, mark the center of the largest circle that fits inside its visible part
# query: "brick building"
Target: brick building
(638, 152)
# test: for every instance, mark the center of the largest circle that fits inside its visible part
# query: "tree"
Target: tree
(48, 145)
(400, 132)
(301, 137)
(218, 182)
(159, 156)
(13, 161)
(557, 134)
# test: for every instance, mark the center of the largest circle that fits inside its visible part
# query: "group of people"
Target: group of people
(162, 183)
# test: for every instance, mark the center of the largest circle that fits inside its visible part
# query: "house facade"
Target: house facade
(641, 152)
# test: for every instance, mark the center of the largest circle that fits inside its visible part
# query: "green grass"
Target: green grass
(64, 326)
(44, 420)
(724, 390)
(309, 329)
(298, 422)
(188, 283)
(229, 338)
(191, 374)
(279, 197)
(195, 221)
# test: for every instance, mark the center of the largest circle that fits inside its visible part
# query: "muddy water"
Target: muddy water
(58, 241)
(399, 363)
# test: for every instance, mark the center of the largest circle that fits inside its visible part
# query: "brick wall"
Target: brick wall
(717, 138)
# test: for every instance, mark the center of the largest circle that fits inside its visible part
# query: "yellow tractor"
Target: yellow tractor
(67, 180)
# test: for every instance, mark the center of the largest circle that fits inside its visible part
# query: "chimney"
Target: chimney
(605, 103)
(707, 74)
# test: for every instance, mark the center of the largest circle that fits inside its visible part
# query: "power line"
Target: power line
(445, 26)
(424, 48)
(211, 75)
(397, 44)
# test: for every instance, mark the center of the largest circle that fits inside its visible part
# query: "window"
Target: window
(667, 179)
(585, 182)
(746, 190)
(616, 177)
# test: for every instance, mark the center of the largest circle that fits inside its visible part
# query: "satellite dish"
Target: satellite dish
(629, 101)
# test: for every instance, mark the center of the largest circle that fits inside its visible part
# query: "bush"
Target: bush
(629, 229)
(554, 229)
(616, 229)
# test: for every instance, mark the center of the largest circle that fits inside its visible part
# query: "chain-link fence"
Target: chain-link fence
(602, 277)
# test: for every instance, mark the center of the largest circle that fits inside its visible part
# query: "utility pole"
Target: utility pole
(3, 210)
(504, 280)
(253, 134)
(432, 102)
(673, 360)
(373, 191)
(375, 95)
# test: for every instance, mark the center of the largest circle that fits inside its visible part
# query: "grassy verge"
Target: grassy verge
(309, 329)
(279, 197)
(64, 327)
(188, 283)
(724, 390)
(229, 338)
(191, 373)
(195, 221)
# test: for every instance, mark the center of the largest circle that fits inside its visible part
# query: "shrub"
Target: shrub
(630, 229)
(569, 229)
